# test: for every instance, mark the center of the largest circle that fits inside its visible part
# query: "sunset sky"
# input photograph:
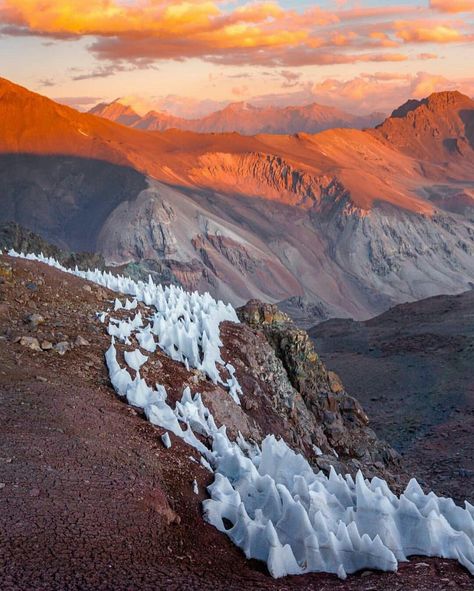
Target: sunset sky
(191, 57)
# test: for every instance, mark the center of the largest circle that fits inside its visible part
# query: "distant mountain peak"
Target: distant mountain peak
(240, 106)
(435, 101)
(242, 117)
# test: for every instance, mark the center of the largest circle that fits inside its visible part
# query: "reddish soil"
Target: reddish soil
(89, 497)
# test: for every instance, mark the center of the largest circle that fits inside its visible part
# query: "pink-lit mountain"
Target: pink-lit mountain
(243, 118)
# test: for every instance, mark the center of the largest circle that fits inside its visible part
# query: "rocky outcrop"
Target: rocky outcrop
(290, 392)
(237, 255)
(266, 175)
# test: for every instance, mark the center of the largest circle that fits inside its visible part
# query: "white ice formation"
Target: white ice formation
(186, 325)
(165, 438)
(268, 499)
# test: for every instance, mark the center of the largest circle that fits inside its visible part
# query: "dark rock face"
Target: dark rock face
(14, 236)
(64, 199)
(290, 391)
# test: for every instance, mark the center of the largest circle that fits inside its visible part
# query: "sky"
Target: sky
(191, 57)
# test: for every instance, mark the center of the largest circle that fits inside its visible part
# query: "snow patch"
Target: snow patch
(186, 325)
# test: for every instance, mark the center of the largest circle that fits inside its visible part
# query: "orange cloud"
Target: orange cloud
(416, 32)
(255, 32)
(427, 56)
(383, 90)
(452, 5)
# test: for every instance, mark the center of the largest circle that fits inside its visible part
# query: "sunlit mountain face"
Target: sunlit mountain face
(345, 218)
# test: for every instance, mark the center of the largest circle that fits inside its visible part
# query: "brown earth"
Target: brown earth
(89, 497)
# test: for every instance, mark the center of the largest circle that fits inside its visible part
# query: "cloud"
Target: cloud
(452, 5)
(427, 56)
(81, 103)
(221, 31)
(46, 82)
(368, 92)
(105, 71)
(290, 75)
(384, 91)
(240, 90)
(428, 32)
(185, 106)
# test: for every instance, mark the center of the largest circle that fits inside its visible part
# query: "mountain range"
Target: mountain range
(346, 221)
(242, 118)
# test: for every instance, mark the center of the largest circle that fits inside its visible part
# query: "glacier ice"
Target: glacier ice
(300, 521)
(135, 359)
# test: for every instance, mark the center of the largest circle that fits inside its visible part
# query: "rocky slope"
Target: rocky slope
(345, 220)
(412, 369)
(242, 118)
(86, 484)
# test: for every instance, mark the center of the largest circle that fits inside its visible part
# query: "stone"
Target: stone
(34, 320)
(335, 382)
(62, 347)
(87, 288)
(46, 345)
(256, 313)
(249, 404)
(81, 341)
(6, 271)
(311, 399)
(32, 286)
(101, 293)
(30, 342)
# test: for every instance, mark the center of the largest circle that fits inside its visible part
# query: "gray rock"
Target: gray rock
(34, 320)
(62, 347)
(30, 342)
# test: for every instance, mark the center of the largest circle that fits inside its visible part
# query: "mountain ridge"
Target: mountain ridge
(241, 117)
(344, 218)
